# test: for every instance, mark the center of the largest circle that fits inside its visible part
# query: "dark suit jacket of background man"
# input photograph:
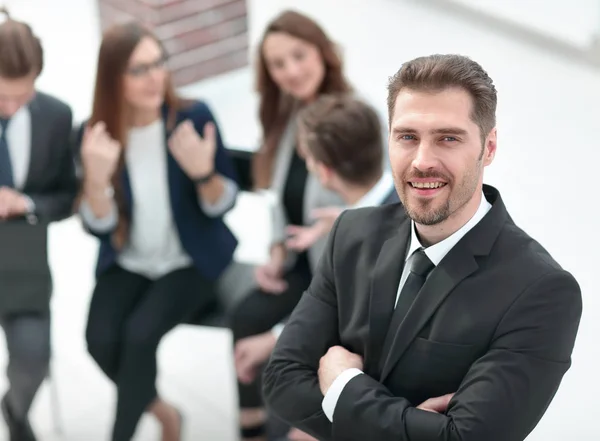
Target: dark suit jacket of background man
(495, 322)
(52, 185)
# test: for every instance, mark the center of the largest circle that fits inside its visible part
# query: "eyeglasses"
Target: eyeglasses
(140, 70)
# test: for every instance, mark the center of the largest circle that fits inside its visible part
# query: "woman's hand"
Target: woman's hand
(194, 153)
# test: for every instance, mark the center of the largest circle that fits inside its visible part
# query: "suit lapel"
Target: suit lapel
(384, 286)
(458, 264)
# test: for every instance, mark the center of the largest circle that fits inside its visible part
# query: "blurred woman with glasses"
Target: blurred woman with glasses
(157, 182)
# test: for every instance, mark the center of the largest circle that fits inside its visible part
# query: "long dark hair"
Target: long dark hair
(118, 43)
(276, 108)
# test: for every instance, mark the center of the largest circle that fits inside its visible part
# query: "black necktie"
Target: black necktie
(421, 266)
(6, 172)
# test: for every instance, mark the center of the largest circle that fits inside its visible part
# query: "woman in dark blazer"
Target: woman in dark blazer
(156, 184)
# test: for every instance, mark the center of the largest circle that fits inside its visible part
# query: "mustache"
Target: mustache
(432, 174)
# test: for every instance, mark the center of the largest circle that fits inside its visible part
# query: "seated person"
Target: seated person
(157, 182)
(37, 187)
(298, 62)
(340, 138)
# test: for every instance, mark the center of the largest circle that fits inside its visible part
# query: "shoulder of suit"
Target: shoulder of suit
(52, 103)
(367, 218)
(518, 249)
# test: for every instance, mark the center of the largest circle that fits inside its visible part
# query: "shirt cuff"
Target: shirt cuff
(333, 394)
(101, 225)
(30, 204)
(225, 202)
(277, 330)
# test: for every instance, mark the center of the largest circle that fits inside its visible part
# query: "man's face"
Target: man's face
(15, 93)
(436, 153)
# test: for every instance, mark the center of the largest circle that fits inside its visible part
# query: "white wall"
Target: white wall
(575, 21)
(69, 30)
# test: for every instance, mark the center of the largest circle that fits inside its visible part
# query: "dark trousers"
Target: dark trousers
(259, 312)
(28, 344)
(129, 314)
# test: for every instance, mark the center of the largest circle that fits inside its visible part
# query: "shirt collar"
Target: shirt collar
(439, 250)
(377, 194)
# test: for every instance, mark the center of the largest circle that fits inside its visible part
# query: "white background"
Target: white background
(548, 119)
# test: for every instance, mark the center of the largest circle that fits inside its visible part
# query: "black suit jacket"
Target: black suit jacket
(495, 322)
(25, 281)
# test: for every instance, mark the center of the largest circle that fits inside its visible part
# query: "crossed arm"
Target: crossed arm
(502, 397)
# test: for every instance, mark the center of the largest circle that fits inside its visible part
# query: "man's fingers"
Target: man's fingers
(271, 285)
(436, 404)
(293, 230)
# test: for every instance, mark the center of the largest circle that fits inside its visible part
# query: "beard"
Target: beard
(433, 211)
(424, 212)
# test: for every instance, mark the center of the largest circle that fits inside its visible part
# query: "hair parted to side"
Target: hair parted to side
(344, 133)
(21, 52)
(275, 107)
(435, 73)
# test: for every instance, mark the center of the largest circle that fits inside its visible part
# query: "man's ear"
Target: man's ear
(489, 149)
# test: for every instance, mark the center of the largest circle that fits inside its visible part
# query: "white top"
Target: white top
(435, 253)
(18, 138)
(154, 248)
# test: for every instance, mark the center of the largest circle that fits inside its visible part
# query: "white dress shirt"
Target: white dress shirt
(153, 248)
(435, 253)
(18, 137)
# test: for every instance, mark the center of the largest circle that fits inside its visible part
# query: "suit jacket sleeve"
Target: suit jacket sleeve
(56, 203)
(504, 394)
(290, 382)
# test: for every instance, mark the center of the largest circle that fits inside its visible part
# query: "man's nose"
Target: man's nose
(426, 156)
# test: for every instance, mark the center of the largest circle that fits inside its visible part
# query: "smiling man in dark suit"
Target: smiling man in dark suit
(37, 186)
(438, 318)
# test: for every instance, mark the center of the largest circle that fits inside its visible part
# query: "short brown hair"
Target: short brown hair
(435, 73)
(21, 52)
(344, 134)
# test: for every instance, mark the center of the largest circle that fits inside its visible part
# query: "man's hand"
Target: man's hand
(251, 353)
(333, 363)
(302, 238)
(12, 203)
(270, 276)
(437, 404)
(298, 435)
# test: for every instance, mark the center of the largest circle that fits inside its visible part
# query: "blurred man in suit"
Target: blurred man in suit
(340, 138)
(37, 186)
(438, 319)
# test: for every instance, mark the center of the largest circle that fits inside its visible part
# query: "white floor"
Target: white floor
(546, 168)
